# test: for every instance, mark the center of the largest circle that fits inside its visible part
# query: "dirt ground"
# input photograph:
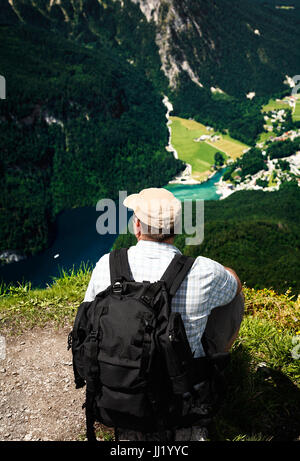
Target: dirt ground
(38, 399)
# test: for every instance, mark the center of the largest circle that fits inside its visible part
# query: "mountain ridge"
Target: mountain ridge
(193, 36)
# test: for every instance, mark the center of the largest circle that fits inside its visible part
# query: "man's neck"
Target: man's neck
(170, 241)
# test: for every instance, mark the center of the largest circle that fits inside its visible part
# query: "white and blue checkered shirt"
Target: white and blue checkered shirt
(207, 285)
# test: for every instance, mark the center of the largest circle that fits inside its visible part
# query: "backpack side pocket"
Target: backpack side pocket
(178, 355)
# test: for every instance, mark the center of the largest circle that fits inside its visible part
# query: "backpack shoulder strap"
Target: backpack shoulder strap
(176, 272)
(119, 266)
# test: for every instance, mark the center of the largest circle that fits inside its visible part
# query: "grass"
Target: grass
(102, 433)
(230, 146)
(274, 105)
(296, 114)
(263, 398)
(265, 136)
(263, 395)
(192, 125)
(22, 307)
(277, 105)
(272, 181)
(201, 154)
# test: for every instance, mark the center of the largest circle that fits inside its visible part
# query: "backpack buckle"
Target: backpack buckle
(146, 299)
(117, 287)
(93, 335)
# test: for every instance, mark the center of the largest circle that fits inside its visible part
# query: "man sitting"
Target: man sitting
(209, 299)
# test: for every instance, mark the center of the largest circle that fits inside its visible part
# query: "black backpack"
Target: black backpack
(133, 354)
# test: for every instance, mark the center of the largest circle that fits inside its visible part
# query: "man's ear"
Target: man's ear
(137, 227)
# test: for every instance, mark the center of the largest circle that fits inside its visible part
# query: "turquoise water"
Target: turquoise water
(77, 239)
(204, 191)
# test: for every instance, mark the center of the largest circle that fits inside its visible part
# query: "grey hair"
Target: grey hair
(153, 233)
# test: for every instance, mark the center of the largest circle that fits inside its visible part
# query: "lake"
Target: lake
(205, 191)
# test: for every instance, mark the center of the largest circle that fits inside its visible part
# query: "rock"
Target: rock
(10, 256)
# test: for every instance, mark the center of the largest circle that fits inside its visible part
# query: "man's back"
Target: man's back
(207, 285)
(209, 298)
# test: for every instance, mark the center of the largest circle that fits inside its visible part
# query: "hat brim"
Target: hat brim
(131, 201)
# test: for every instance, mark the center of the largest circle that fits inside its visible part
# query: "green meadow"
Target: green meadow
(200, 155)
(264, 136)
(277, 105)
(230, 146)
(274, 105)
(296, 114)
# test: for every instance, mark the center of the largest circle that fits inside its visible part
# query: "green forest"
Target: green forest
(240, 117)
(78, 125)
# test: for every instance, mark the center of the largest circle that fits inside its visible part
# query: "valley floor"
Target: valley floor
(197, 145)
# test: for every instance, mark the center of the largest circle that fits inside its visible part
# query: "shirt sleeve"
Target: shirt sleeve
(90, 293)
(223, 287)
(100, 278)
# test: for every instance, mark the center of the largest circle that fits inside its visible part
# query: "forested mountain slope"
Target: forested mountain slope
(78, 125)
(236, 45)
(84, 118)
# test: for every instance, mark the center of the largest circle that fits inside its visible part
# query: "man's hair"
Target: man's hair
(155, 234)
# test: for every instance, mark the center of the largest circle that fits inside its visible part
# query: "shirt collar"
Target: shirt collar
(157, 246)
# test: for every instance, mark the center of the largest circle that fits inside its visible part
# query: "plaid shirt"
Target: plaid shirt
(207, 285)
